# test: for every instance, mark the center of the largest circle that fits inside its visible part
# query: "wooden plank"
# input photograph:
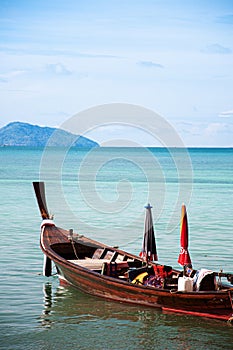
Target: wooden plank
(92, 264)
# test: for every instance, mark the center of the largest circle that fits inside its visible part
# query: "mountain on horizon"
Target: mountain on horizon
(28, 135)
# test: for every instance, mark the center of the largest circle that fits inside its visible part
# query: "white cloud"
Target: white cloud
(5, 77)
(150, 64)
(204, 134)
(216, 49)
(213, 129)
(226, 114)
(57, 69)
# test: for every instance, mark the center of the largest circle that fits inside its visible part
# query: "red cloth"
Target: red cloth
(184, 257)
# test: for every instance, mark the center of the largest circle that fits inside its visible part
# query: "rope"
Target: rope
(70, 238)
(74, 249)
(219, 283)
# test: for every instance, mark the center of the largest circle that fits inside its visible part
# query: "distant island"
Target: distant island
(27, 135)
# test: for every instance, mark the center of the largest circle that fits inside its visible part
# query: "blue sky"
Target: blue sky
(174, 57)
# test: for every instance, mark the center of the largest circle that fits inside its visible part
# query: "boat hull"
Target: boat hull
(109, 288)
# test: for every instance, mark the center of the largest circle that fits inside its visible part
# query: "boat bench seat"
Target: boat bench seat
(94, 264)
(105, 253)
(91, 264)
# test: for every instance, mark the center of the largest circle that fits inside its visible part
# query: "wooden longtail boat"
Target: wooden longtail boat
(114, 274)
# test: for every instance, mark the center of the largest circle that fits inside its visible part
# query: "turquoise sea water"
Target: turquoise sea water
(102, 194)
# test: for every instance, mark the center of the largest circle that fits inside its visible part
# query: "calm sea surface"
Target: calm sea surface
(101, 194)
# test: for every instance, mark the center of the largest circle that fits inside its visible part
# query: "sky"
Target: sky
(175, 57)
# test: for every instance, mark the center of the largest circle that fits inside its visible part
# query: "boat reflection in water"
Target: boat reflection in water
(70, 315)
(48, 302)
(65, 303)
